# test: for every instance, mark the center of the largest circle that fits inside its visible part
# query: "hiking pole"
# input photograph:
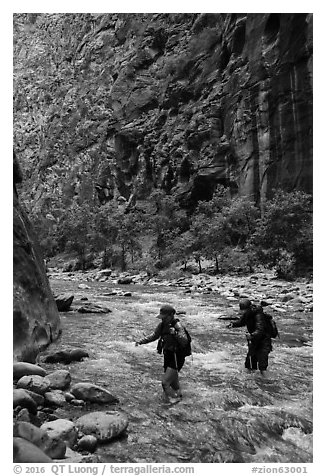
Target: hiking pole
(249, 351)
(175, 361)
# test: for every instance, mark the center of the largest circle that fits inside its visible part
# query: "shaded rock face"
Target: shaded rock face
(181, 102)
(35, 315)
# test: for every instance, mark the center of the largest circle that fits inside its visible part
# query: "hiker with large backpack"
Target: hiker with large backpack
(174, 342)
(261, 329)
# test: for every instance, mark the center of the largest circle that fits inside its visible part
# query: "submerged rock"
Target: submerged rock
(66, 356)
(93, 309)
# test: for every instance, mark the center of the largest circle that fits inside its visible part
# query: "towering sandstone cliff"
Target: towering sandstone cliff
(119, 104)
(36, 320)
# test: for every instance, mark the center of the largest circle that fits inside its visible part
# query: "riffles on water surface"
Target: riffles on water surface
(226, 415)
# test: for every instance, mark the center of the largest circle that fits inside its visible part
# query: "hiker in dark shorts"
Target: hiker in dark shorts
(169, 329)
(258, 336)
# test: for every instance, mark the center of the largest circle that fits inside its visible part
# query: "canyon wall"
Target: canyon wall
(36, 320)
(110, 105)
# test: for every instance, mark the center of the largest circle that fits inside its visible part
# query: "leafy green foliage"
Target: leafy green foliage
(166, 223)
(283, 237)
(228, 232)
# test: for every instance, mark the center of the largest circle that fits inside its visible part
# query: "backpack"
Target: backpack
(185, 349)
(271, 326)
(181, 346)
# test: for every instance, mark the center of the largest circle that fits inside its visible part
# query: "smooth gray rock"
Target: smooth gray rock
(38, 399)
(25, 368)
(59, 380)
(34, 383)
(56, 397)
(61, 429)
(22, 399)
(93, 309)
(26, 452)
(54, 448)
(87, 443)
(103, 425)
(92, 393)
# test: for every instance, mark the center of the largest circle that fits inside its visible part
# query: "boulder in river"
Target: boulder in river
(90, 308)
(92, 393)
(27, 452)
(103, 425)
(25, 368)
(62, 429)
(63, 302)
(102, 273)
(66, 356)
(125, 280)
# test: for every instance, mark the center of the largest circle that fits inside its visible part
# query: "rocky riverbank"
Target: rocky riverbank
(262, 287)
(40, 436)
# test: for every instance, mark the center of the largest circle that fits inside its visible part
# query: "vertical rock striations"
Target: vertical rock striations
(36, 319)
(119, 104)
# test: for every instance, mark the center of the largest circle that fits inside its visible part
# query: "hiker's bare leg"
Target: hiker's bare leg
(168, 378)
(176, 386)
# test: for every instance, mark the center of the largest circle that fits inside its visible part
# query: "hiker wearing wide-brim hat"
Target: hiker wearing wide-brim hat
(170, 332)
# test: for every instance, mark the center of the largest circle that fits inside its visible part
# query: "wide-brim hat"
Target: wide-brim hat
(165, 310)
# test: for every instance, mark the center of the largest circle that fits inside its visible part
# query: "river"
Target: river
(226, 415)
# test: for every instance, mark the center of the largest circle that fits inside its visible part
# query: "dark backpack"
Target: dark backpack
(271, 326)
(181, 347)
(185, 349)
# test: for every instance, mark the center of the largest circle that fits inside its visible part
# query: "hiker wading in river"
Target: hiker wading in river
(172, 337)
(260, 332)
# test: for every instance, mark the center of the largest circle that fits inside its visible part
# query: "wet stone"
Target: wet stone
(22, 399)
(56, 397)
(92, 393)
(103, 425)
(54, 448)
(20, 369)
(23, 415)
(26, 452)
(87, 443)
(35, 383)
(61, 429)
(60, 379)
